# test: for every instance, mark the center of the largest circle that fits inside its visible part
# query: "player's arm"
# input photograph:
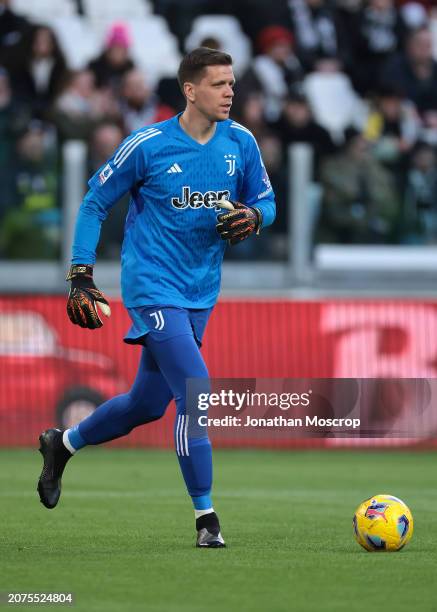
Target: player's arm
(120, 174)
(257, 209)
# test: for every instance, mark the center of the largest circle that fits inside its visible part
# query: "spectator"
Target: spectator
(360, 202)
(81, 106)
(139, 106)
(415, 71)
(255, 15)
(6, 116)
(274, 161)
(297, 124)
(348, 17)
(104, 140)
(249, 111)
(379, 36)
(170, 94)
(392, 127)
(12, 27)
(39, 70)
(180, 15)
(113, 63)
(333, 100)
(33, 228)
(274, 71)
(13, 118)
(313, 25)
(420, 209)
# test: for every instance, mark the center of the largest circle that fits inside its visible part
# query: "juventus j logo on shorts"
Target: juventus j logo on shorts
(159, 319)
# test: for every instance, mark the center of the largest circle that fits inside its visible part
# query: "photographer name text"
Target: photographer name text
(277, 421)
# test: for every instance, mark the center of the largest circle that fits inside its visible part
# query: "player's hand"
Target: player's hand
(238, 224)
(84, 297)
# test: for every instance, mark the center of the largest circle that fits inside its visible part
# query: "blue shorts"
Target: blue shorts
(165, 322)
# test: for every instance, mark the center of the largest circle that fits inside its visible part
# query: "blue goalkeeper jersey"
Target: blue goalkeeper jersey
(171, 252)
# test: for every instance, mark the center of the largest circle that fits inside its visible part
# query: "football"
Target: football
(383, 523)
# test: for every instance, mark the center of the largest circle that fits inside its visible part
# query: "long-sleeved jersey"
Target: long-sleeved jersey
(171, 251)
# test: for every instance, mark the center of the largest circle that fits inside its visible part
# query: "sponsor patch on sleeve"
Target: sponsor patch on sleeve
(266, 180)
(267, 184)
(105, 174)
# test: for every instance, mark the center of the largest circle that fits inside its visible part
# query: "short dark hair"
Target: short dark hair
(193, 65)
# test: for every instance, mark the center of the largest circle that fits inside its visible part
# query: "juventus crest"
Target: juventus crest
(230, 162)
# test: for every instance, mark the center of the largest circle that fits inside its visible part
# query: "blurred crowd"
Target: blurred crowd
(355, 79)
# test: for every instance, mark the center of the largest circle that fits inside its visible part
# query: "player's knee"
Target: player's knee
(137, 420)
(154, 417)
(142, 411)
(144, 418)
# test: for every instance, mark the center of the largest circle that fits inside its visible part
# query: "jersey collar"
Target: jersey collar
(188, 139)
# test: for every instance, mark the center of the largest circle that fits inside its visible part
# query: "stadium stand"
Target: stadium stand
(292, 86)
(82, 37)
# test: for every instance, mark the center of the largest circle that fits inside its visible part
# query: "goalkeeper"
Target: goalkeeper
(174, 240)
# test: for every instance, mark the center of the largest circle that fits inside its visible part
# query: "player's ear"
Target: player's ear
(189, 91)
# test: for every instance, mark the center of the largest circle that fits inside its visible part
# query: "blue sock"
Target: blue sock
(202, 502)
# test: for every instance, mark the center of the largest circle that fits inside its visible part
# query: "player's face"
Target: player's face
(214, 92)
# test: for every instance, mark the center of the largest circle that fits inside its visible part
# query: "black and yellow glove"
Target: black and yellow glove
(84, 298)
(238, 224)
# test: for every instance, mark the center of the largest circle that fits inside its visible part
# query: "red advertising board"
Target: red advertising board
(52, 372)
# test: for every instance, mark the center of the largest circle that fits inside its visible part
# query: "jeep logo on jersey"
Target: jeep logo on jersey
(198, 199)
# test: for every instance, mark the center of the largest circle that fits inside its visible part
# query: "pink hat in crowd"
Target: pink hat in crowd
(118, 35)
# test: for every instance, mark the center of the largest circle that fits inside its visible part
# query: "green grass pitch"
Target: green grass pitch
(122, 537)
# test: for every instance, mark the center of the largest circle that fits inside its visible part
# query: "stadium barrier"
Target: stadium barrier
(52, 372)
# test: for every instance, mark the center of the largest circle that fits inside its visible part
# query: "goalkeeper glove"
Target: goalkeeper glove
(84, 297)
(239, 224)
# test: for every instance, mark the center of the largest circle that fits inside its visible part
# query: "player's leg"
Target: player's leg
(179, 359)
(146, 401)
